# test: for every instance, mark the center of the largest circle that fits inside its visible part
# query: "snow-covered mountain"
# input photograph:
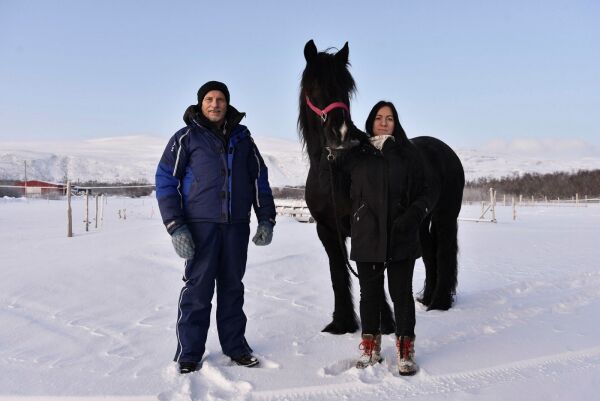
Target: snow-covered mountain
(134, 158)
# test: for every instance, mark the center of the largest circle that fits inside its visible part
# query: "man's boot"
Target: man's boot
(405, 351)
(371, 351)
(189, 367)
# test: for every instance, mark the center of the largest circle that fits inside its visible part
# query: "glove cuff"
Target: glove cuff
(179, 229)
(269, 222)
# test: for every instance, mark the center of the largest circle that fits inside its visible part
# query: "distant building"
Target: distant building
(41, 188)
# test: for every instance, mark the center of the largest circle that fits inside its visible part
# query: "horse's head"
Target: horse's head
(325, 92)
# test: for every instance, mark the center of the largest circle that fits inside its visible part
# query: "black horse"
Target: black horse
(326, 130)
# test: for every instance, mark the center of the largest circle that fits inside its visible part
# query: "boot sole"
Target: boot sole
(249, 365)
(408, 373)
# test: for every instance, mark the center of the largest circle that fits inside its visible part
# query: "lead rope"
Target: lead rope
(330, 158)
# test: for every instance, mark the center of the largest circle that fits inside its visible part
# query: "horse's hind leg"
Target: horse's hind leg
(447, 250)
(344, 318)
(428, 247)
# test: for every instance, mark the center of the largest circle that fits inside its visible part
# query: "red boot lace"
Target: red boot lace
(367, 346)
(404, 346)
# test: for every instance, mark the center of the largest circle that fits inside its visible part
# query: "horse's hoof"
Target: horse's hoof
(424, 300)
(441, 303)
(340, 328)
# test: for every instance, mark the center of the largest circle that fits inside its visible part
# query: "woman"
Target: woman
(389, 201)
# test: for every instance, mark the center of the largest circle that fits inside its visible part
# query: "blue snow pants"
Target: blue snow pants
(220, 257)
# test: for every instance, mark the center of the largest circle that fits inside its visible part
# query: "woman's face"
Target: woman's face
(384, 122)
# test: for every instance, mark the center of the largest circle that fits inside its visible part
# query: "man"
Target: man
(209, 176)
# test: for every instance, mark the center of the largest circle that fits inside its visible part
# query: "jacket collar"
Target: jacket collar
(193, 116)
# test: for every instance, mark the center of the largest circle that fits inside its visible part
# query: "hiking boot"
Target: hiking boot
(405, 351)
(247, 360)
(371, 351)
(188, 367)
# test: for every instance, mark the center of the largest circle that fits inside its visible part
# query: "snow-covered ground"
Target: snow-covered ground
(93, 317)
(134, 158)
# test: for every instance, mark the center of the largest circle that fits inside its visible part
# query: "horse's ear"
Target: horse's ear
(342, 55)
(310, 50)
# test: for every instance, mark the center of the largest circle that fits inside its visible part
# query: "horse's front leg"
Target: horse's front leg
(344, 317)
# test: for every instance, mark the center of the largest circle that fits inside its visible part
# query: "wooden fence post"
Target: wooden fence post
(87, 210)
(102, 210)
(493, 203)
(514, 208)
(96, 219)
(69, 211)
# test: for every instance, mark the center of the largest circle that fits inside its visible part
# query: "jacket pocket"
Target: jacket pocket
(364, 230)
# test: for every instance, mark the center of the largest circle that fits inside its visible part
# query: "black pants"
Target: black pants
(371, 280)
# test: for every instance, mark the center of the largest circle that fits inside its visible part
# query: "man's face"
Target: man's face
(214, 106)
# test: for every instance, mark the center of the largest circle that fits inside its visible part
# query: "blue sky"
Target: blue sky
(468, 72)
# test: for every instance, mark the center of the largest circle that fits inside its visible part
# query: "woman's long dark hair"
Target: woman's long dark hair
(398, 133)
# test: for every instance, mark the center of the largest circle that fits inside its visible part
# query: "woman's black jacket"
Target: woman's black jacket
(389, 197)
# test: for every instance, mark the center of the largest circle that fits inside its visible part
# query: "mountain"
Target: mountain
(134, 158)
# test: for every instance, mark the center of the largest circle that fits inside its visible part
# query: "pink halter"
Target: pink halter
(323, 113)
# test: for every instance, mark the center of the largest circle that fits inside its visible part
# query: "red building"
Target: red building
(34, 187)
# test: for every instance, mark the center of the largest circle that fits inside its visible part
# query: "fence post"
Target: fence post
(504, 200)
(69, 211)
(520, 200)
(96, 219)
(87, 210)
(493, 203)
(102, 210)
(514, 208)
(577, 199)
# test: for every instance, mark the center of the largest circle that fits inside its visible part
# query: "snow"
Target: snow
(128, 159)
(134, 158)
(93, 317)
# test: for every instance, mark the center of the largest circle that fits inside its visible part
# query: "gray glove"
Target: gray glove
(183, 242)
(264, 233)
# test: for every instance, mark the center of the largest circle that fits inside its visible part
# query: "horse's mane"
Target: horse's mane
(326, 79)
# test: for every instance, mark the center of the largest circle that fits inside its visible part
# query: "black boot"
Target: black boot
(247, 360)
(188, 367)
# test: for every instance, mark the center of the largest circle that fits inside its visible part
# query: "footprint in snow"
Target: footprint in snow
(372, 374)
(337, 368)
(209, 383)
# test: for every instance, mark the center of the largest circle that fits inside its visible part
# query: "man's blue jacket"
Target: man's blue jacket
(207, 176)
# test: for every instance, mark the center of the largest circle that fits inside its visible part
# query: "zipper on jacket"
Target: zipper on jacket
(358, 210)
(229, 151)
(386, 208)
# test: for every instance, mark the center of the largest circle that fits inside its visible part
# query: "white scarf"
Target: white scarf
(379, 140)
